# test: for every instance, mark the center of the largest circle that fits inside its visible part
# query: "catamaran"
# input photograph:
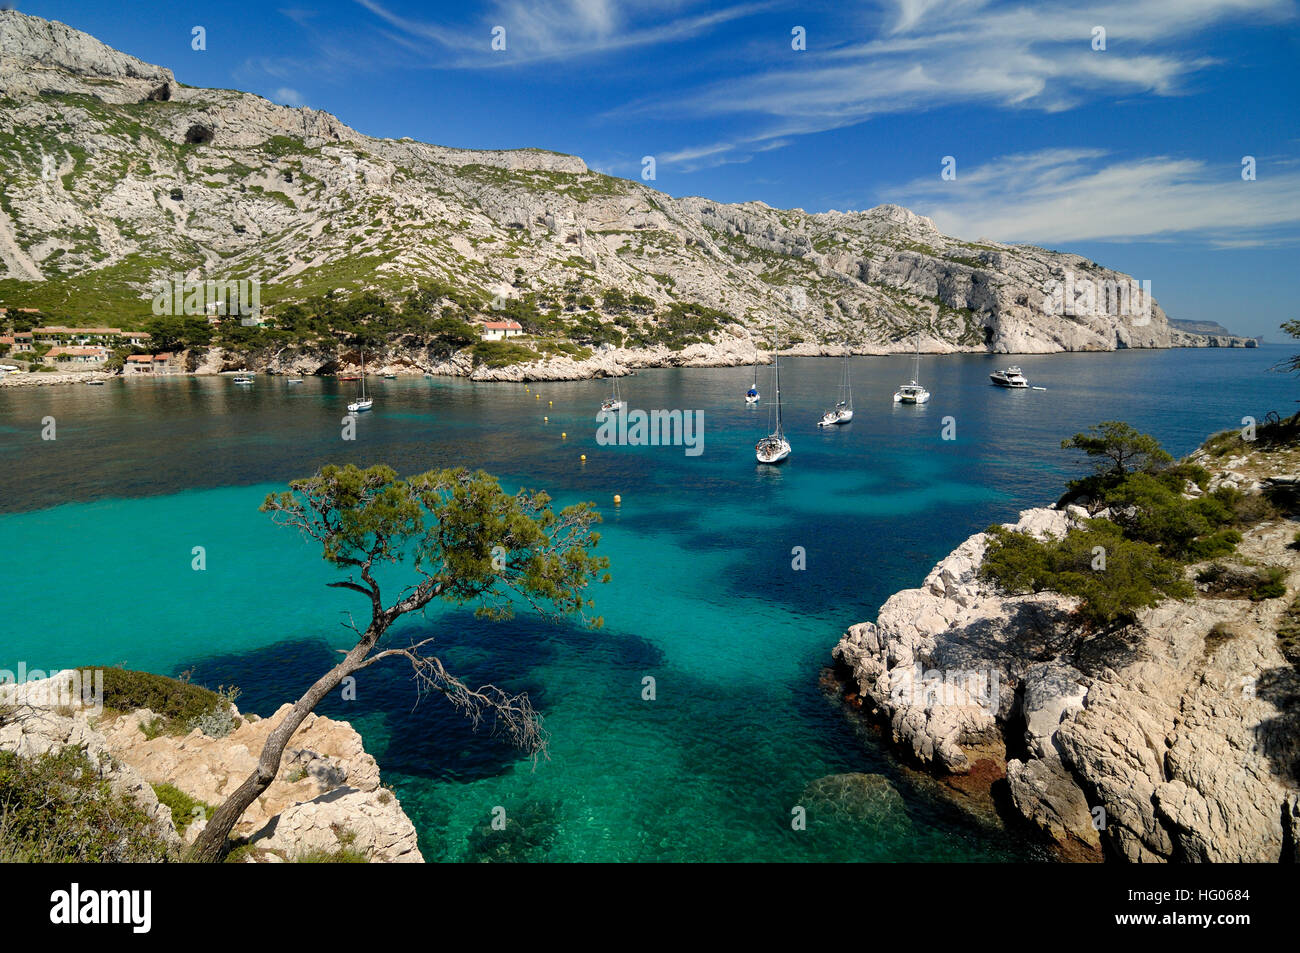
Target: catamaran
(363, 402)
(912, 392)
(774, 447)
(842, 412)
(751, 395)
(1011, 377)
(614, 403)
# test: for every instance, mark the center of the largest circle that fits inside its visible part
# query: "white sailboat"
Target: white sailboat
(842, 412)
(614, 403)
(912, 392)
(751, 395)
(774, 447)
(363, 403)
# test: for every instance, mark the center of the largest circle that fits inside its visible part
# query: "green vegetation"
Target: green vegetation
(185, 809)
(179, 706)
(1137, 554)
(501, 353)
(1288, 633)
(56, 809)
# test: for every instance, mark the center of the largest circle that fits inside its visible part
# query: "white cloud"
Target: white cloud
(288, 96)
(550, 30)
(929, 54)
(1054, 197)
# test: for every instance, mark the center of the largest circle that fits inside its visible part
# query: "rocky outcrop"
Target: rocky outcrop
(33, 727)
(296, 199)
(327, 795)
(1175, 741)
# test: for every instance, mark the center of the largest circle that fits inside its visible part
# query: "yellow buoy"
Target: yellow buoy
(546, 420)
(583, 458)
(564, 436)
(550, 403)
(617, 499)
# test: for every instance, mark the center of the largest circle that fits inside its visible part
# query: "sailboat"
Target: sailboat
(774, 447)
(912, 392)
(751, 395)
(614, 403)
(363, 403)
(842, 412)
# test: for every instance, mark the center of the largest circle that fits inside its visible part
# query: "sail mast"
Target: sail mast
(778, 381)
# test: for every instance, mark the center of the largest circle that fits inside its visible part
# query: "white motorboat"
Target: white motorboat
(774, 447)
(244, 381)
(1011, 377)
(912, 392)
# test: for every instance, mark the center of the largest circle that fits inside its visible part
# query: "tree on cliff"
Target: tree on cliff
(468, 542)
(1118, 449)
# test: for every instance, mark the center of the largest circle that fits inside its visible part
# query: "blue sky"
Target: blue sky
(1131, 155)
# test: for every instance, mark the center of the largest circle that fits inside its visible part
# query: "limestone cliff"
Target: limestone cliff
(116, 175)
(1176, 740)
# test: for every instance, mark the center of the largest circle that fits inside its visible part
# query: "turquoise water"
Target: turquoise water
(98, 527)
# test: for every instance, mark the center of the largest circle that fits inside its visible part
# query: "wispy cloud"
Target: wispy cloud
(926, 55)
(1054, 197)
(537, 31)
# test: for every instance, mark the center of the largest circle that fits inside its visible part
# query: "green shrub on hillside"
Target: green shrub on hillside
(185, 809)
(56, 809)
(179, 705)
(1138, 555)
(1113, 576)
(501, 353)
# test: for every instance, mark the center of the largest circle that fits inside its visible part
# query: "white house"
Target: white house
(499, 330)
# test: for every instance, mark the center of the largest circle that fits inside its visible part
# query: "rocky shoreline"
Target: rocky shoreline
(1169, 742)
(327, 796)
(730, 350)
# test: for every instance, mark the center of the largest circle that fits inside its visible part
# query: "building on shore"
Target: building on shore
(109, 337)
(500, 330)
(18, 342)
(152, 365)
(77, 355)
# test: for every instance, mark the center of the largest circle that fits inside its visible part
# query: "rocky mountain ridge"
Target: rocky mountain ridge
(117, 175)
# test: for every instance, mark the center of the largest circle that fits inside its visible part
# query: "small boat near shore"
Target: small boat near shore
(842, 412)
(244, 380)
(912, 392)
(614, 403)
(1010, 377)
(362, 403)
(774, 448)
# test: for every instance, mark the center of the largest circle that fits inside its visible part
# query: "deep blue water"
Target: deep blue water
(97, 528)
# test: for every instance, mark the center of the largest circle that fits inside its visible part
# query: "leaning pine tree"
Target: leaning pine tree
(468, 542)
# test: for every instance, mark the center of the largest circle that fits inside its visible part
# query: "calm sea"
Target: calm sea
(97, 528)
